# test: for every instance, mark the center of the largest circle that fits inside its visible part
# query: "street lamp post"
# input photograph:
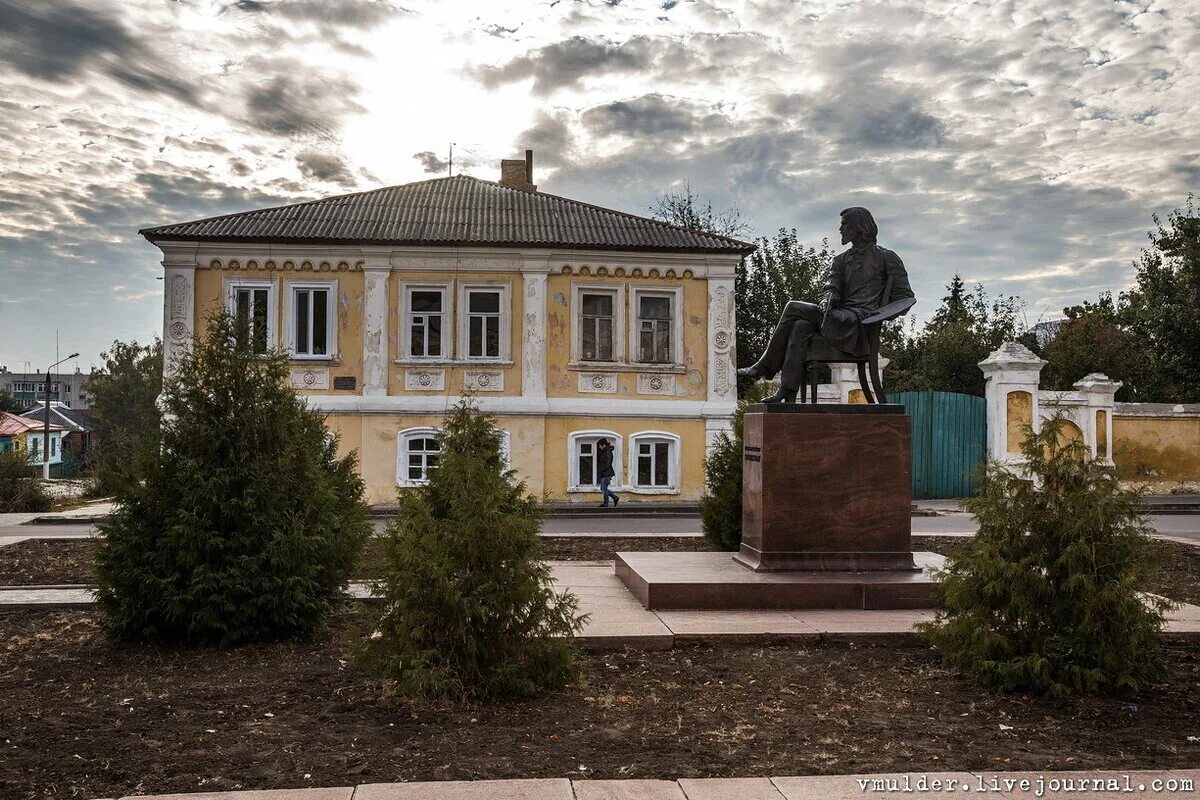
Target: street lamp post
(46, 418)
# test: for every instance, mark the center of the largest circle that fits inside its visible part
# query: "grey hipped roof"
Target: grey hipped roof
(74, 419)
(461, 210)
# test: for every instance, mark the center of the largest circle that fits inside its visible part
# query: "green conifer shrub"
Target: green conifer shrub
(247, 524)
(21, 488)
(721, 503)
(1049, 596)
(469, 607)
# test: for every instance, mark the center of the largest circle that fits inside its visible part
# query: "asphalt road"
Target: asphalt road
(1186, 526)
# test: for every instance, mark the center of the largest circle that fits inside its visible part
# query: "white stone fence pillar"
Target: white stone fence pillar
(1015, 402)
(1011, 375)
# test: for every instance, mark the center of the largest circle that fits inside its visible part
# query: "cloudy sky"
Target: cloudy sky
(1023, 144)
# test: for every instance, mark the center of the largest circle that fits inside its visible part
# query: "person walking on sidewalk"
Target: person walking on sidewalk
(605, 471)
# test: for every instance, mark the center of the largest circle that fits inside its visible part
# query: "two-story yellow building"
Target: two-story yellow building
(568, 321)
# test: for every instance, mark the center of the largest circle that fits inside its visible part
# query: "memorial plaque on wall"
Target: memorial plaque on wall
(345, 382)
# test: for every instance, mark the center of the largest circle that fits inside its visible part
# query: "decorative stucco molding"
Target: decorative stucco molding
(656, 383)
(598, 382)
(310, 378)
(483, 380)
(425, 380)
(722, 383)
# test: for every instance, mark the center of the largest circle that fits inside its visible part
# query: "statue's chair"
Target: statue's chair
(821, 351)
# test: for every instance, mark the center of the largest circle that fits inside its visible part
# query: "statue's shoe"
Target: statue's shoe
(782, 396)
(756, 372)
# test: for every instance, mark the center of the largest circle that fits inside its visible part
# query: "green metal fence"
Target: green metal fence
(949, 442)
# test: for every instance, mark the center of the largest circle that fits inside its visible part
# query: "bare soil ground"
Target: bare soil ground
(58, 561)
(85, 717)
(1177, 575)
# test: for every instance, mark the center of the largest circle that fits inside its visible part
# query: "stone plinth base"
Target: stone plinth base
(826, 487)
(678, 581)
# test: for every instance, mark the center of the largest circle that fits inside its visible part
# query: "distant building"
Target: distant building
(81, 432)
(25, 436)
(29, 388)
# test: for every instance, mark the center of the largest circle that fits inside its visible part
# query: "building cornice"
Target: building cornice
(523, 406)
(237, 255)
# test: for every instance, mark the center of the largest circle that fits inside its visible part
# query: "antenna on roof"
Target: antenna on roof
(450, 163)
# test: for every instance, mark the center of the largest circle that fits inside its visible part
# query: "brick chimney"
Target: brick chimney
(518, 174)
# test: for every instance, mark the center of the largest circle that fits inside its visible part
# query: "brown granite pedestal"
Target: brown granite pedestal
(826, 520)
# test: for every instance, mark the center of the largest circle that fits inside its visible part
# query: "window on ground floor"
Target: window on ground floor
(654, 467)
(417, 453)
(583, 454)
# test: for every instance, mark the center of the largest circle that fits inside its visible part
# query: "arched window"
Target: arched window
(654, 463)
(417, 452)
(583, 463)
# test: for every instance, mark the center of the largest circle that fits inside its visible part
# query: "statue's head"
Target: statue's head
(858, 226)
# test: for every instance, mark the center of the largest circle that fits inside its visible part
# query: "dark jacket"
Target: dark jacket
(855, 290)
(604, 459)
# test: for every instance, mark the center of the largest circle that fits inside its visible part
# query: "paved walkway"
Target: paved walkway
(618, 620)
(1089, 785)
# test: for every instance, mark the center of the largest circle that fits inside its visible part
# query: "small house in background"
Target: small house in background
(81, 433)
(22, 435)
(569, 322)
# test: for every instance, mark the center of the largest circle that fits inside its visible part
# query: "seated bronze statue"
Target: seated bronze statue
(865, 280)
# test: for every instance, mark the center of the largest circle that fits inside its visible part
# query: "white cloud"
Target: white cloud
(1022, 144)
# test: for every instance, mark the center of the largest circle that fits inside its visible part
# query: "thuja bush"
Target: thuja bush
(247, 524)
(469, 610)
(21, 488)
(1049, 596)
(721, 503)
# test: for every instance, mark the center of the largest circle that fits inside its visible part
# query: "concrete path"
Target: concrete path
(1001, 785)
(616, 619)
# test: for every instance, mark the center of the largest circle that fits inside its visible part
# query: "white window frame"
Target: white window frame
(464, 320)
(405, 333)
(231, 288)
(330, 319)
(617, 290)
(635, 337)
(573, 484)
(673, 464)
(402, 439)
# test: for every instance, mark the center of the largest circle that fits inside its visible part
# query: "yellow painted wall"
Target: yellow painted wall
(378, 449)
(1068, 434)
(209, 290)
(544, 469)
(455, 373)
(1101, 433)
(562, 381)
(348, 427)
(692, 436)
(1169, 447)
(1020, 416)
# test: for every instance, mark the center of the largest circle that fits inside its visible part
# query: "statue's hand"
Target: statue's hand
(824, 304)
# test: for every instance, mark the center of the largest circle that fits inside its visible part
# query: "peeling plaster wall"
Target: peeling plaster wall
(1149, 448)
